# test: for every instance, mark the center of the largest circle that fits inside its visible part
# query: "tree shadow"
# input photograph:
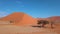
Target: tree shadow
(37, 26)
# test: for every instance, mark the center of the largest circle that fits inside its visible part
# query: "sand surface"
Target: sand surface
(13, 29)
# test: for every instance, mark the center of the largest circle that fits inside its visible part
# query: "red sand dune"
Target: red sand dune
(54, 18)
(15, 17)
(20, 18)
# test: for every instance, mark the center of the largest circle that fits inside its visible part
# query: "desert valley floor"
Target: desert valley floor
(13, 29)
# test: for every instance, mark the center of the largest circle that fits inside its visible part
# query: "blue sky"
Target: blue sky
(34, 8)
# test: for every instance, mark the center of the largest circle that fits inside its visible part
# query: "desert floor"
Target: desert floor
(13, 29)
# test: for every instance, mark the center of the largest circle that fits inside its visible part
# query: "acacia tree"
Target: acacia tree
(43, 22)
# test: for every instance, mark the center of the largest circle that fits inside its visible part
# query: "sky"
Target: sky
(34, 8)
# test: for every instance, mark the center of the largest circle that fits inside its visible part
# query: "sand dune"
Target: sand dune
(20, 18)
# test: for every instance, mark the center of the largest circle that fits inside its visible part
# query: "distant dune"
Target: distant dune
(54, 18)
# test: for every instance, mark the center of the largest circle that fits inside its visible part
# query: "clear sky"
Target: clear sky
(34, 8)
